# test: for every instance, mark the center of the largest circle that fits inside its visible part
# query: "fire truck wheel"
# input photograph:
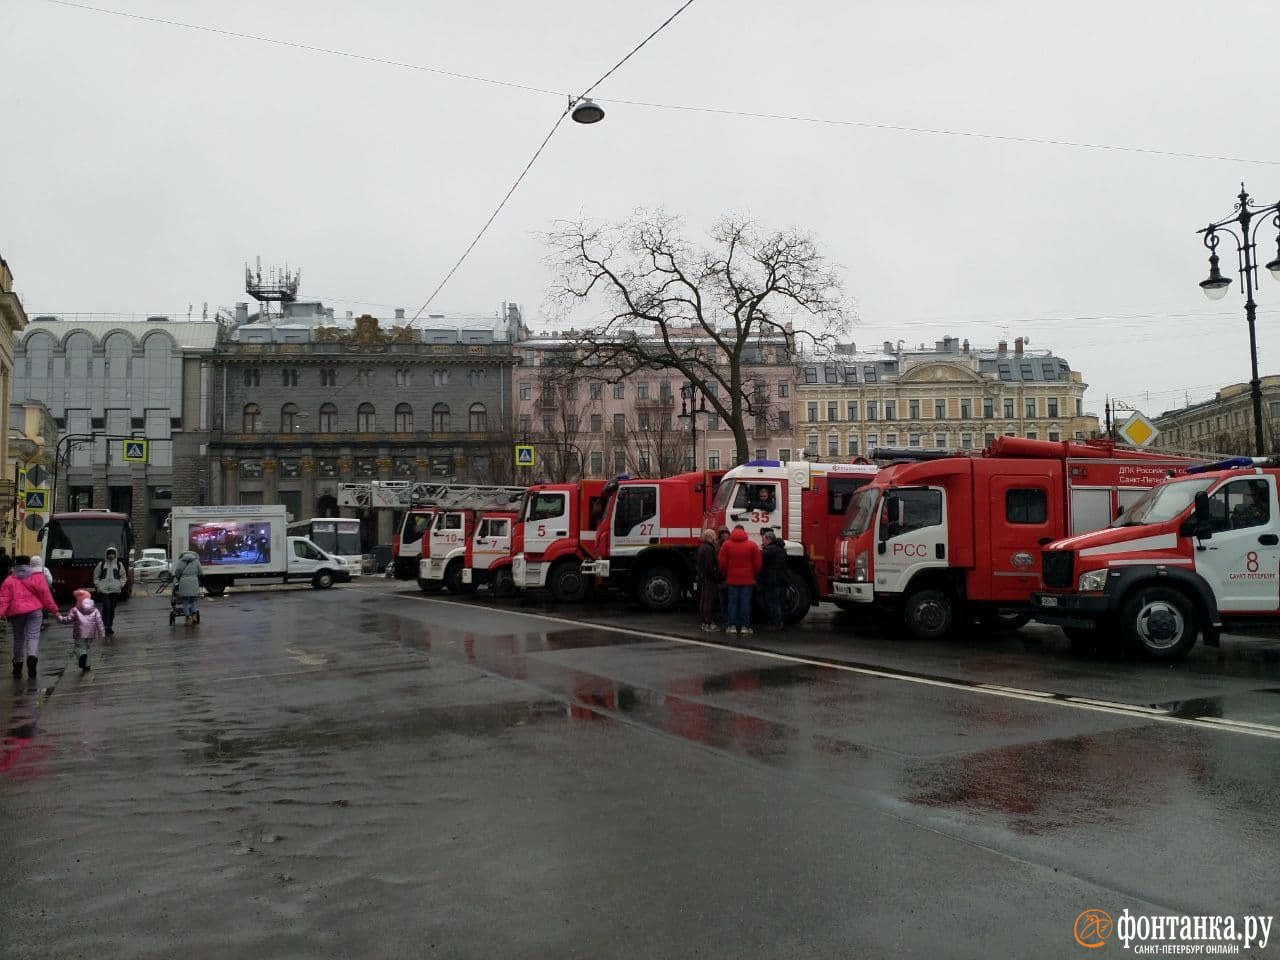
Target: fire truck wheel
(658, 589)
(1159, 623)
(566, 582)
(796, 599)
(929, 614)
(428, 586)
(453, 579)
(504, 584)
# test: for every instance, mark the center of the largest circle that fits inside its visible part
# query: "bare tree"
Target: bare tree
(708, 314)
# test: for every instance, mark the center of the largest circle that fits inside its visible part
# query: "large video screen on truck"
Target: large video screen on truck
(226, 542)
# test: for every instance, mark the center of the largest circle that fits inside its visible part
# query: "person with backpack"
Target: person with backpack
(108, 583)
(23, 598)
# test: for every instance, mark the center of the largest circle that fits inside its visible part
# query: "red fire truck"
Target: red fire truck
(943, 540)
(1192, 556)
(557, 536)
(805, 504)
(444, 546)
(648, 537)
(488, 554)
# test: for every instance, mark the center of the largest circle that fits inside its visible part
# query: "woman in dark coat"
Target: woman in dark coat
(708, 579)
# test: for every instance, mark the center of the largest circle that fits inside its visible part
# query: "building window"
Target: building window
(873, 439)
(548, 392)
(784, 388)
(642, 419)
(1055, 436)
(913, 410)
(597, 391)
(871, 410)
(940, 441)
(811, 412)
(811, 445)
(784, 418)
(526, 424)
(642, 390)
(289, 418)
(989, 439)
(440, 378)
(833, 410)
(1079, 407)
(1006, 372)
(476, 378)
(713, 459)
(851, 410)
(1051, 407)
(713, 421)
(853, 446)
(1030, 404)
(328, 418)
(365, 376)
(571, 390)
(619, 461)
(597, 463)
(548, 427)
(1049, 372)
(810, 374)
(328, 377)
(988, 408)
(966, 441)
(597, 423)
(784, 454)
(833, 445)
(1008, 408)
(891, 439)
(619, 391)
(1033, 435)
(252, 418)
(252, 377)
(289, 376)
(404, 377)
(440, 418)
(404, 418)
(365, 418)
(478, 418)
(850, 374)
(869, 373)
(762, 453)
(889, 409)
(526, 390)
(913, 439)
(966, 409)
(619, 423)
(642, 462)
(939, 409)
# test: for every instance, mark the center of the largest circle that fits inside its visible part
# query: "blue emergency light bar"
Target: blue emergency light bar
(1231, 463)
(763, 463)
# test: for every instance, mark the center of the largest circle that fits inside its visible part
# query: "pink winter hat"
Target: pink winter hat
(81, 595)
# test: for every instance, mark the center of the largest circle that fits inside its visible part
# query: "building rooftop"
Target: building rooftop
(188, 334)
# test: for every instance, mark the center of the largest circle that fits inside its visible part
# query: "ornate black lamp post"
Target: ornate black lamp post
(688, 412)
(1248, 217)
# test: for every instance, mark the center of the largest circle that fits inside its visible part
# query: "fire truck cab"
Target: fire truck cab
(487, 559)
(943, 540)
(648, 536)
(804, 503)
(444, 547)
(1194, 555)
(558, 535)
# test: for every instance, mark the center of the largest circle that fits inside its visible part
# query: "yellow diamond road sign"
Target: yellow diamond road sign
(1138, 430)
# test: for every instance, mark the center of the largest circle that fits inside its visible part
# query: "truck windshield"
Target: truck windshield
(1163, 502)
(723, 496)
(861, 512)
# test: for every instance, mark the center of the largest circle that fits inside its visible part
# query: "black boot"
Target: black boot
(31, 666)
(17, 668)
(84, 661)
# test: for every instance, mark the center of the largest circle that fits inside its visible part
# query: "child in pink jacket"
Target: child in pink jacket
(86, 625)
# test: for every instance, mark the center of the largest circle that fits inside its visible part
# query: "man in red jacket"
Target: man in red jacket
(739, 565)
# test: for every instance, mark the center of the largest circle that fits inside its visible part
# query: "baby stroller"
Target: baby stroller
(175, 603)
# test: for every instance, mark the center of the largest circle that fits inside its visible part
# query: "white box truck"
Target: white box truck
(250, 542)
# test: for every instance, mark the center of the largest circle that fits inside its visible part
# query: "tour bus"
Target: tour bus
(75, 542)
(339, 536)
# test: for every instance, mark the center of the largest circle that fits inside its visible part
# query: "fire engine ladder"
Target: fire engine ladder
(403, 494)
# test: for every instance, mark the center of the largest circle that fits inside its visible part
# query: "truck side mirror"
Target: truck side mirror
(1200, 523)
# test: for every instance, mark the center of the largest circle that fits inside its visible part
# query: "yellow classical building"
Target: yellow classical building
(12, 319)
(951, 397)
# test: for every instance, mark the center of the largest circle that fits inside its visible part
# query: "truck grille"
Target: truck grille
(1056, 568)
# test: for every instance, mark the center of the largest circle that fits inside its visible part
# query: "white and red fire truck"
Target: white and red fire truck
(444, 547)
(959, 537)
(558, 532)
(805, 504)
(648, 537)
(1194, 555)
(489, 553)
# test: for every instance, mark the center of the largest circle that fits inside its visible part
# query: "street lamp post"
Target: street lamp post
(1247, 217)
(71, 440)
(688, 412)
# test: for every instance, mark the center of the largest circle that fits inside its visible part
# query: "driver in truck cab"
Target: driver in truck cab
(1252, 510)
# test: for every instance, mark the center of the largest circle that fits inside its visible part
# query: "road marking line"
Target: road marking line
(1010, 693)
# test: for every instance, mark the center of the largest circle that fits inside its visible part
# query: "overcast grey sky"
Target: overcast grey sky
(144, 164)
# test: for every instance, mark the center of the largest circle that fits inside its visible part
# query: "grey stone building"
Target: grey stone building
(304, 401)
(108, 378)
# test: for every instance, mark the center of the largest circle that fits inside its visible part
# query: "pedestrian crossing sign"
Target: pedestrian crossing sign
(135, 451)
(35, 500)
(524, 455)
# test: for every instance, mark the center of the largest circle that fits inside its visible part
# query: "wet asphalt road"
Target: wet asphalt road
(367, 772)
